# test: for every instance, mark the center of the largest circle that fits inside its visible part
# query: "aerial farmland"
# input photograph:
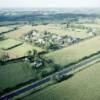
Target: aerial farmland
(76, 86)
(42, 51)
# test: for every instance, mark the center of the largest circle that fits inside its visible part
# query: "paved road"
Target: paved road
(47, 79)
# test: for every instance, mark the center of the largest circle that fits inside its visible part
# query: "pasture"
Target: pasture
(62, 30)
(84, 85)
(97, 26)
(5, 28)
(14, 73)
(22, 50)
(19, 32)
(75, 52)
(8, 43)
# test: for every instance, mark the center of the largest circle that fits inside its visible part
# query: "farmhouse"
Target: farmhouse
(37, 63)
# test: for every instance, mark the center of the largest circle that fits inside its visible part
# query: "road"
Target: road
(66, 71)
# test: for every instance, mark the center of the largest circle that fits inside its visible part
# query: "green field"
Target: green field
(13, 74)
(75, 52)
(20, 32)
(62, 30)
(88, 25)
(97, 26)
(18, 51)
(1, 52)
(84, 85)
(5, 28)
(5, 44)
(23, 49)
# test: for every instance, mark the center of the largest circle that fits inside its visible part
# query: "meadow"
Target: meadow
(15, 73)
(23, 49)
(5, 28)
(62, 30)
(75, 52)
(19, 32)
(84, 85)
(8, 43)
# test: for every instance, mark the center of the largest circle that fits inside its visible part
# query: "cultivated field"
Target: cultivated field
(5, 28)
(22, 50)
(62, 30)
(1, 52)
(14, 73)
(88, 25)
(8, 43)
(75, 52)
(20, 32)
(85, 85)
(97, 26)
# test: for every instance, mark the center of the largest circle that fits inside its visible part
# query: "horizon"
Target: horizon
(49, 4)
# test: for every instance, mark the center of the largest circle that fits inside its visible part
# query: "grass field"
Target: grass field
(1, 52)
(5, 44)
(84, 85)
(22, 50)
(62, 30)
(92, 25)
(18, 51)
(13, 74)
(75, 52)
(5, 28)
(89, 25)
(19, 32)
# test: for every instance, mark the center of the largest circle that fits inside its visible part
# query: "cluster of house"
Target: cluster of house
(92, 31)
(50, 40)
(37, 63)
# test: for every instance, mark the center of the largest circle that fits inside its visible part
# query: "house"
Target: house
(69, 39)
(34, 33)
(37, 63)
(26, 38)
(40, 41)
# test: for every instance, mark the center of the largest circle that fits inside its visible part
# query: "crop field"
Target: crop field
(14, 73)
(19, 32)
(5, 28)
(36, 47)
(1, 52)
(22, 50)
(75, 52)
(8, 43)
(97, 26)
(89, 25)
(84, 85)
(62, 30)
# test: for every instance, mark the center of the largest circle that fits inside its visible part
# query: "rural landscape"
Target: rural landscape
(50, 54)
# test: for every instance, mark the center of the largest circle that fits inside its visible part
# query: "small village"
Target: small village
(52, 41)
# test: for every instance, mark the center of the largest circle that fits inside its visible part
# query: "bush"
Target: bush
(56, 68)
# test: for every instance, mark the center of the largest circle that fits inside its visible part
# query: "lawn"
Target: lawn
(75, 52)
(8, 43)
(13, 74)
(84, 85)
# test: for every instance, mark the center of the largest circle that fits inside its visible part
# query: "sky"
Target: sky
(49, 3)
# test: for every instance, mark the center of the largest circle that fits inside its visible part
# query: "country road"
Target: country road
(67, 71)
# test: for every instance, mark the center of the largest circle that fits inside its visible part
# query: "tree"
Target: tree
(56, 67)
(4, 57)
(1, 37)
(29, 53)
